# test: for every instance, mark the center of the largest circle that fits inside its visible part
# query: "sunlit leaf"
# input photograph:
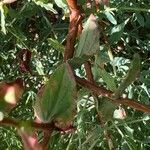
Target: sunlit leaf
(89, 38)
(3, 28)
(39, 67)
(129, 131)
(47, 6)
(62, 4)
(8, 1)
(117, 32)
(110, 17)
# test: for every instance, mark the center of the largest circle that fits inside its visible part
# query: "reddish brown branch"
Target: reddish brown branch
(39, 126)
(74, 26)
(90, 78)
(72, 4)
(88, 71)
(106, 93)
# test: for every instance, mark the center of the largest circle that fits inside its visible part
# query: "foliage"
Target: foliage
(108, 42)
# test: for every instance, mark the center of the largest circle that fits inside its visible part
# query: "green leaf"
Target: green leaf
(106, 107)
(130, 143)
(55, 44)
(83, 2)
(16, 32)
(130, 77)
(62, 4)
(56, 99)
(110, 17)
(108, 79)
(26, 126)
(39, 67)
(89, 39)
(140, 19)
(47, 6)
(119, 27)
(77, 62)
(99, 71)
(129, 131)
(117, 31)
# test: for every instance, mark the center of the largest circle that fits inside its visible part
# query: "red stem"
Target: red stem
(39, 126)
(88, 70)
(72, 4)
(75, 20)
(109, 94)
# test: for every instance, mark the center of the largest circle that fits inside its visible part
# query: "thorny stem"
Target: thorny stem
(109, 94)
(48, 128)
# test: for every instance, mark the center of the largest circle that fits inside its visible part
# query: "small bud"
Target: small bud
(120, 113)
(10, 93)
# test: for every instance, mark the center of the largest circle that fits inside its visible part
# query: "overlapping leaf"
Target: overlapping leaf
(89, 39)
(130, 77)
(56, 98)
(117, 31)
(47, 6)
(110, 17)
(62, 4)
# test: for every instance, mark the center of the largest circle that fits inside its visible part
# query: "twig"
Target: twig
(39, 126)
(109, 94)
(88, 70)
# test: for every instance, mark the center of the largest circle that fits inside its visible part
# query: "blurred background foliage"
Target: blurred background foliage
(41, 27)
